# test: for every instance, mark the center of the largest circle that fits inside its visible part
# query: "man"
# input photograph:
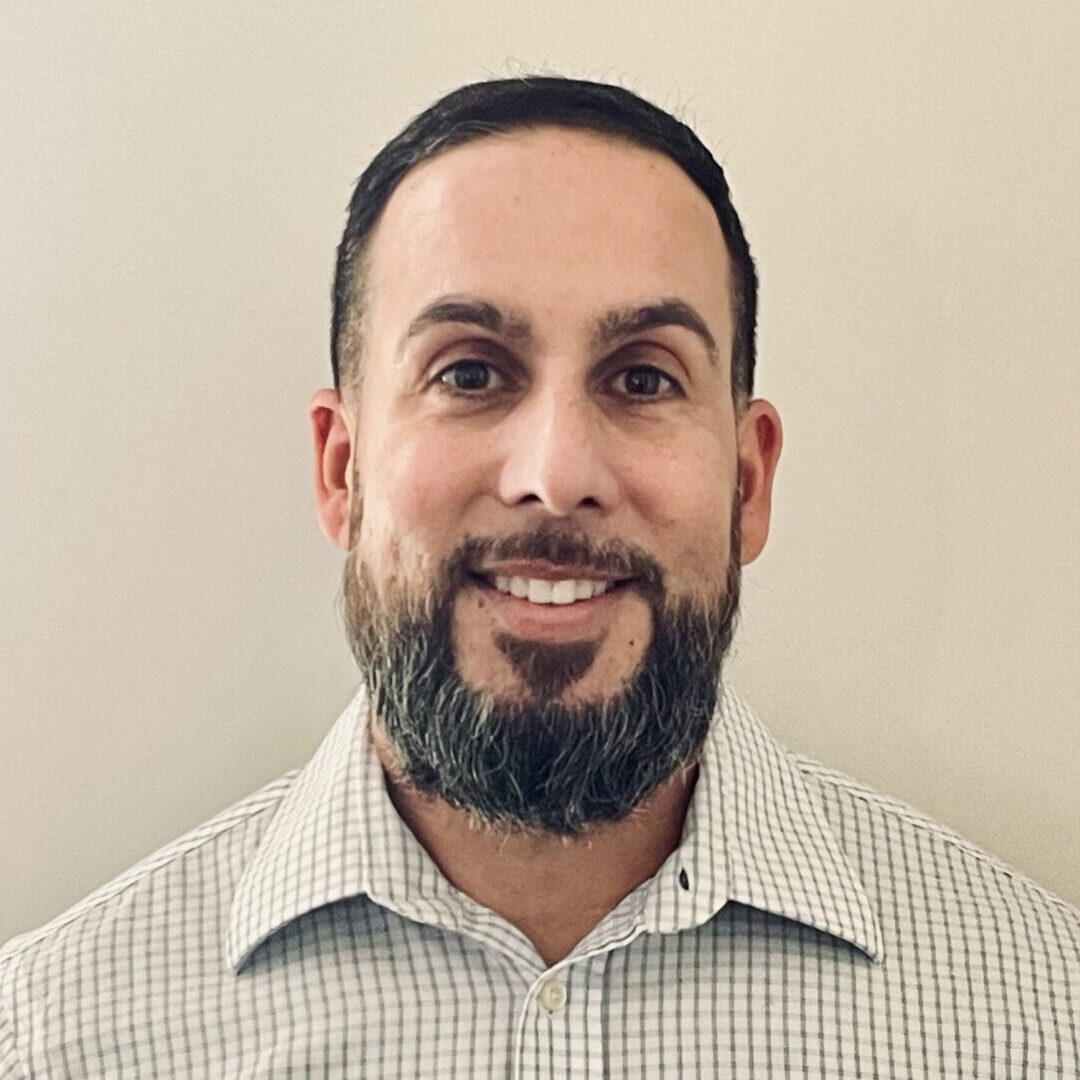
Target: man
(546, 839)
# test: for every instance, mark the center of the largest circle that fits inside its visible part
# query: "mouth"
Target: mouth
(545, 585)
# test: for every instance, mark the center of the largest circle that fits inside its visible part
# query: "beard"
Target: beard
(536, 763)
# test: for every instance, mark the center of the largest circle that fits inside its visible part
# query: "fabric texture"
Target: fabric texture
(806, 926)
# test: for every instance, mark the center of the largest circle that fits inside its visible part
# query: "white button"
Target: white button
(552, 995)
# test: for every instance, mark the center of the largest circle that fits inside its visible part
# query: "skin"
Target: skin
(556, 228)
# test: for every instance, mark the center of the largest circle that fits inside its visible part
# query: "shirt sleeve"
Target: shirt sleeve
(10, 1066)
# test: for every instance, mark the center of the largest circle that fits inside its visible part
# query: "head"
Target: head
(540, 451)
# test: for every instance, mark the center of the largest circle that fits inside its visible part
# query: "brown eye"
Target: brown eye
(644, 382)
(468, 376)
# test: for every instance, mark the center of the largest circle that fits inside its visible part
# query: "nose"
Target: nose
(557, 454)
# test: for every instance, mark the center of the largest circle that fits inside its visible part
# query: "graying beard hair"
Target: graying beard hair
(537, 767)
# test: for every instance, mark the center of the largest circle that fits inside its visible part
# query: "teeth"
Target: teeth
(563, 592)
(541, 591)
(584, 589)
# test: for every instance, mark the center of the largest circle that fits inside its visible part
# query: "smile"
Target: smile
(537, 600)
(542, 591)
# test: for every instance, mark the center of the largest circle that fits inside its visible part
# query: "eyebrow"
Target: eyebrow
(472, 312)
(611, 327)
(625, 322)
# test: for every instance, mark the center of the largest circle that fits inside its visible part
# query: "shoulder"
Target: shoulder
(937, 891)
(200, 867)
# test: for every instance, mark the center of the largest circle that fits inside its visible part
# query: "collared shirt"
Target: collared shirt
(805, 926)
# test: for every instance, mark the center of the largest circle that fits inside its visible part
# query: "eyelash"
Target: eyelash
(674, 389)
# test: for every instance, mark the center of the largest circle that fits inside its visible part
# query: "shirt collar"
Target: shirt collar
(313, 851)
(756, 834)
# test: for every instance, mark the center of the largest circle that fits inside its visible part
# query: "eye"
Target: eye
(470, 376)
(646, 382)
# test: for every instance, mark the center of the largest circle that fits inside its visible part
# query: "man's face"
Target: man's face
(545, 461)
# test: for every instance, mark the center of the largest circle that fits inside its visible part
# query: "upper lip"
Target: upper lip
(545, 571)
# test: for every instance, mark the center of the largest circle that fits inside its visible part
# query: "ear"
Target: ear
(333, 465)
(760, 439)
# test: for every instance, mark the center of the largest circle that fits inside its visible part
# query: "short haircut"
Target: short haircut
(506, 105)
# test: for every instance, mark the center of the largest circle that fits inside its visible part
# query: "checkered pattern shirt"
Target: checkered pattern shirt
(806, 926)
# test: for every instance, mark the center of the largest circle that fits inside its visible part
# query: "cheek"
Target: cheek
(686, 497)
(701, 547)
(415, 496)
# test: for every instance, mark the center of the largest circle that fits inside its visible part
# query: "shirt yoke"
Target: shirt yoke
(930, 880)
(259, 804)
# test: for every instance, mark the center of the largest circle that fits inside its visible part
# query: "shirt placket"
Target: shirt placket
(560, 1031)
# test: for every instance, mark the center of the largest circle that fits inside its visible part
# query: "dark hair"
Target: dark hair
(503, 105)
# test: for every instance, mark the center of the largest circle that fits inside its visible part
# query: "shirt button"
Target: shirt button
(552, 995)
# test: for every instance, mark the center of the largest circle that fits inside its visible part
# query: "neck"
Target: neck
(554, 889)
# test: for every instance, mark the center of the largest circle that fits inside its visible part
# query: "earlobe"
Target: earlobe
(333, 443)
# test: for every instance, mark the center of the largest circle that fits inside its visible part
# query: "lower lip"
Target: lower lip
(581, 619)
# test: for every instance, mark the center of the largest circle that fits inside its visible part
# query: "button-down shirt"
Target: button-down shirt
(805, 926)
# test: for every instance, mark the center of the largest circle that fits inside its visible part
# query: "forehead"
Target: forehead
(552, 221)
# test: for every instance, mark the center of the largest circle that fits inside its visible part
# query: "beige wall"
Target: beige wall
(173, 179)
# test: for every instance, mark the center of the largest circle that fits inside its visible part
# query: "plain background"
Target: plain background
(173, 179)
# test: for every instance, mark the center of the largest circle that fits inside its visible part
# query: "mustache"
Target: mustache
(559, 544)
